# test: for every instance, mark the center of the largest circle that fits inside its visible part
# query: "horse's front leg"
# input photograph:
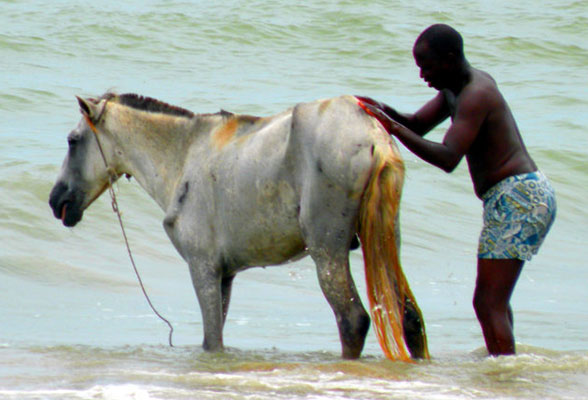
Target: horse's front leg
(207, 282)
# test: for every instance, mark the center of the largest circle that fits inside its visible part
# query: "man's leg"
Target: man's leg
(494, 286)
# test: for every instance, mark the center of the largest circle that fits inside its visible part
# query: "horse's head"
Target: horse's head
(84, 175)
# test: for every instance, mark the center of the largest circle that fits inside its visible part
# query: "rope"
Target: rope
(112, 176)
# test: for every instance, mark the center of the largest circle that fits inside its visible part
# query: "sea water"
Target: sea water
(73, 322)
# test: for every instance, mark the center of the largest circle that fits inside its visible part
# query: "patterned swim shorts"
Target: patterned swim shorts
(518, 213)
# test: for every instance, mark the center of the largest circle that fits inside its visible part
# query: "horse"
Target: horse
(240, 191)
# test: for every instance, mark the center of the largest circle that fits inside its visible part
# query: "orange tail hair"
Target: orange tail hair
(387, 287)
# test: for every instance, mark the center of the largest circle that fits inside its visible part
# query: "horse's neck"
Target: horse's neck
(154, 148)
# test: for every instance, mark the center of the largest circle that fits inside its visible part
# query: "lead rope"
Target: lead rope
(112, 176)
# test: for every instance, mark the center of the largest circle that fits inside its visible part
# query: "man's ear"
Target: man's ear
(91, 108)
(451, 59)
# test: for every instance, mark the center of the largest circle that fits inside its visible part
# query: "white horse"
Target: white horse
(241, 191)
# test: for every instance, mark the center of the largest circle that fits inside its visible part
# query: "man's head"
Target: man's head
(438, 52)
(443, 41)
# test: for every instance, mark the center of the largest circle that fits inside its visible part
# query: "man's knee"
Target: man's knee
(488, 306)
(495, 283)
(481, 306)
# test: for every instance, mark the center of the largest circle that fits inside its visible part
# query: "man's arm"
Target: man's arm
(458, 138)
(421, 122)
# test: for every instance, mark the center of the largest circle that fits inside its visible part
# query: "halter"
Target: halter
(112, 177)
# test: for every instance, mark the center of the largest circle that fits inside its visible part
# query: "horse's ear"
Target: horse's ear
(85, 107)
(91, 108)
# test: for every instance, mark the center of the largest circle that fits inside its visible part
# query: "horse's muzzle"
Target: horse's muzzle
(65, 204)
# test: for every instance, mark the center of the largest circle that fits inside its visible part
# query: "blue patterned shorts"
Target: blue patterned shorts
(518, 213)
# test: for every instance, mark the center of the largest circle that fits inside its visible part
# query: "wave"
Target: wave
(73, 372)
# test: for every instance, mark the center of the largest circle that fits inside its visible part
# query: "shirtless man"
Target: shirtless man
(519, 202)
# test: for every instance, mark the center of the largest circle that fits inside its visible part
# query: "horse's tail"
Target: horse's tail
(397, 319)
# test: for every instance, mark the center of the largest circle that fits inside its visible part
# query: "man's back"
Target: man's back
(498, 150)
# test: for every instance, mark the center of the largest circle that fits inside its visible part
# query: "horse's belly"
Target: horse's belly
(272, 253)
(266, 239)
(261, 223)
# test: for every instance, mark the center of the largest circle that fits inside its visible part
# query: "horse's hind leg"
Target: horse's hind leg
(328, 232)
(338, 287)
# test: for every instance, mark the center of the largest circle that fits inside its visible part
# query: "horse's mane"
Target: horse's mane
(148, 104)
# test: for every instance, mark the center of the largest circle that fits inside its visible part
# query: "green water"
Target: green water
(73, 323)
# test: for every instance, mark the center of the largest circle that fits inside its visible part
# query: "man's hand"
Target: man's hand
(369, 100)
(375, 111)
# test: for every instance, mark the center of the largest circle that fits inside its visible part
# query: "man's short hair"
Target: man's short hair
(442, 40)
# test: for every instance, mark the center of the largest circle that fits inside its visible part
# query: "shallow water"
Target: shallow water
(73, 321)
(145, 372)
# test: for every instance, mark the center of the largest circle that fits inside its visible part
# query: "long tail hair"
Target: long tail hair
(392, 304)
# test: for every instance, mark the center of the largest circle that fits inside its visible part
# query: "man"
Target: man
(519, 202)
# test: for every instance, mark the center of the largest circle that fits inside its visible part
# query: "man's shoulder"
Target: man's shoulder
(481, 91)
(482, 83)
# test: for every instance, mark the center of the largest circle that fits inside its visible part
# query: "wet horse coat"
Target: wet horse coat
(242, 191)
